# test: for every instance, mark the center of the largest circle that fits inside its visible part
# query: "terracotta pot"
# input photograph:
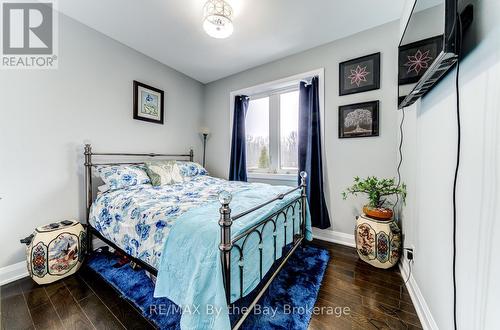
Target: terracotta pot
(380, 213)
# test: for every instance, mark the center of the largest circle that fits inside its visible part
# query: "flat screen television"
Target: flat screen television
(428, 48)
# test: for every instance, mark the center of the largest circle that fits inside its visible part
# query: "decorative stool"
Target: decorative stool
(378, 242)
(55, 251)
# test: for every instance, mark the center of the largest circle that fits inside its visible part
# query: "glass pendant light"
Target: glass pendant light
(217, 19)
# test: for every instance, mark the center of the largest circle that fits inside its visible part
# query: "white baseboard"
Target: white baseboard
(13, 272)
(423, 311)
(334, 237)
(18, 270)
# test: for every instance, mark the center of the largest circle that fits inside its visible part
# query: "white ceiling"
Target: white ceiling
(170, 31)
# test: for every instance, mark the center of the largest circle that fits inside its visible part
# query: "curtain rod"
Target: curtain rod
(293, 83)
(308, 80)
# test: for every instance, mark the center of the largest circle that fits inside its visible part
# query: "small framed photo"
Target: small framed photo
(416, 58)
(359, 120)
(360, 74)
(148, 103)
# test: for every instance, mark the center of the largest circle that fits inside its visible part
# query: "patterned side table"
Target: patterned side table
(378, 242)
(55, 251)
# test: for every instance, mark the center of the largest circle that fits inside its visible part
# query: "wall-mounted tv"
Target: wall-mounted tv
(428, 48)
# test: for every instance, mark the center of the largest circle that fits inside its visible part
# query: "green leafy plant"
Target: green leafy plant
(377, 190)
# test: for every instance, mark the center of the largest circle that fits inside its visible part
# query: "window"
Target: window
(257, 134)
(272, 132)
(289, 130)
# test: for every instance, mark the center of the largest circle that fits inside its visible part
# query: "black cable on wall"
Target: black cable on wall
(400, 148)
(457, 169)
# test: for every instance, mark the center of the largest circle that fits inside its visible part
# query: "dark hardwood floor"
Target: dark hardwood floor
(372, 295)
(360, 296)
(81, 301)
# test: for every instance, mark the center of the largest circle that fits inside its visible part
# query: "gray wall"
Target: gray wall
(428, 168)
(48, 115)
(344, 158)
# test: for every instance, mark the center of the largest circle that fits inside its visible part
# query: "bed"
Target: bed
(209, 241)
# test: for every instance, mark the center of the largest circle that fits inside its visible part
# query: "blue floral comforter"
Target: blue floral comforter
(139, 218)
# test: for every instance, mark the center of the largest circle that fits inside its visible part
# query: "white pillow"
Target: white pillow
(103, 188)
(163, 173)
(121, 176)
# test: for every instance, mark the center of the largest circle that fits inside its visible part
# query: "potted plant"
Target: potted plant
(378, 192)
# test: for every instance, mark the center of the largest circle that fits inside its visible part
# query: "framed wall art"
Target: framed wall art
(359, 120)
(148, 103)
(360, 74)
(415, 58)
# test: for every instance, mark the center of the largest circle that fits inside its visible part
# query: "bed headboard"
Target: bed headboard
(117, 158)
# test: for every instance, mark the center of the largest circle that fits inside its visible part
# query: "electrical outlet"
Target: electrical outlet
(410, 254)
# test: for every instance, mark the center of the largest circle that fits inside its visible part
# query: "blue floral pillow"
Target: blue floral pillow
(191, 169)
(121, 176)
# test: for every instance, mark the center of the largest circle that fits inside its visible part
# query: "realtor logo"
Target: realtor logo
(28, 35)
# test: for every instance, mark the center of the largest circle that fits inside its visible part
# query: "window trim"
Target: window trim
(272, 176)
(277, 87)
(273, 91)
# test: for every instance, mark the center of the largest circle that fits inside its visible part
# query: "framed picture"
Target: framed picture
(360, 74)
(359, 120)
(148, 103)
(415, 58)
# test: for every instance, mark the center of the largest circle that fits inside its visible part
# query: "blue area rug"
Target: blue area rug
(287, 303)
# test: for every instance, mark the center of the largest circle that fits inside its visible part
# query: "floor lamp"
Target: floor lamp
(205, 132)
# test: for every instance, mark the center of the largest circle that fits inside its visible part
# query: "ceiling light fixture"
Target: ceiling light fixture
(217, 19)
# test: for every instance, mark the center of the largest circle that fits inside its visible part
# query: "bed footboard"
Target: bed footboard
(229, 244)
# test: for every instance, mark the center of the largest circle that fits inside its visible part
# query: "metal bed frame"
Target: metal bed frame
(227, 243)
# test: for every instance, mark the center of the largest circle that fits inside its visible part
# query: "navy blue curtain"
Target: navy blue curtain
(238, 163)
(310, 152)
